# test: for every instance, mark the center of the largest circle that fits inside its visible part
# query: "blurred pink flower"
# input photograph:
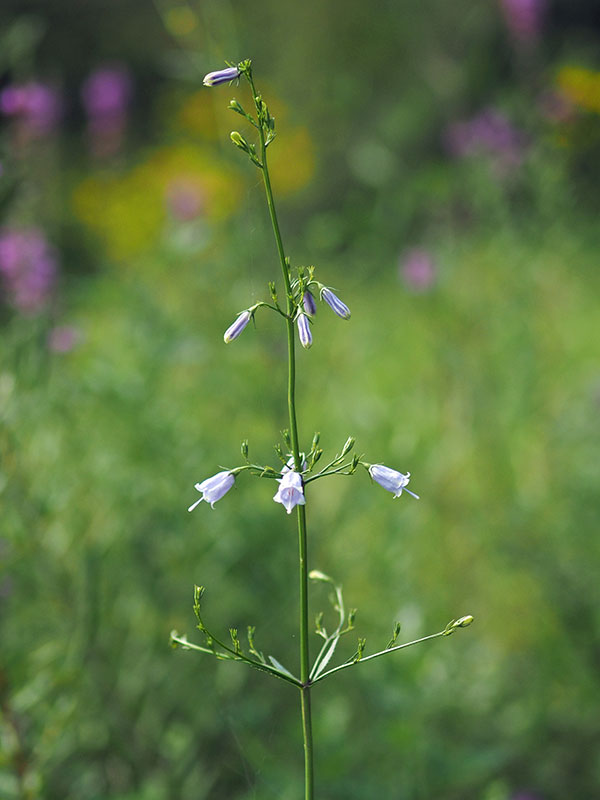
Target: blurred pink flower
(28, 266)
(417, 270)
(63, 338)
(524, 18)
(556, 106)
(37, 107)
(185, 200)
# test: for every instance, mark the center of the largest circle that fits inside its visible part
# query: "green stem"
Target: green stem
(302, 538)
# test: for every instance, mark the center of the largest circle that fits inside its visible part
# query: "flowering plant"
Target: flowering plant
(298, 468)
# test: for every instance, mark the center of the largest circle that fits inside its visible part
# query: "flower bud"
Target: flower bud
(463, 622)
(233, 331)
(238, 140)
(350, 441)
(304, 331)
(334, 302)
(237, 107)
(308, 301)
(221, 76)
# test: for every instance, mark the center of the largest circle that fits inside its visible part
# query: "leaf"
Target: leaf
(327, 657)
(281, 668)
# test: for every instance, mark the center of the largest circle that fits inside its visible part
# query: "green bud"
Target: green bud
(317, 575)
(395, 635)
(239, 141)
(464, 622)
(235, 106)
(350, 441)
(244, 449)
(352, 617)
(361, 649)
(234, 639)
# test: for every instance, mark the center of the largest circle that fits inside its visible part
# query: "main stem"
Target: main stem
(302, 539)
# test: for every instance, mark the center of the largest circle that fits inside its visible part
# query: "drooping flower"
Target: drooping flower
(290, 492)
(214, 488)
(304, 331)
(308, 302)
(334, 302)
(221, 76)
(391, 480)
(234, 330)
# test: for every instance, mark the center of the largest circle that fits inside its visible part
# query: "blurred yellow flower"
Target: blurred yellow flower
(581, 86)
(131, 212)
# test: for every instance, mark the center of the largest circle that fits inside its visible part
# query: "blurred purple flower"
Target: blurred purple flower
(526, 796)
(106, 96)
(37, 107)
(63, 338)
(524, 18)
(417, 270)
(28, 266)
(488, 133)
(107, 92)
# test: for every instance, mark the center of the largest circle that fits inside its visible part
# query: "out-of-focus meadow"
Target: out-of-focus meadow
(439, 162)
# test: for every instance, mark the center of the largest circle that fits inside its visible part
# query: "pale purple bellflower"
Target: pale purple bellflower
(221, 76)
(304, 331)
(391, 480)
(290, 492)
(234, 330)
(334, 302)
(214, 488)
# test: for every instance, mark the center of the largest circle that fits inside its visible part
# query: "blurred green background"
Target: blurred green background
(439, 163)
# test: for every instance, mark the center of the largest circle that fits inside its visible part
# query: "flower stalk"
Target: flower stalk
(305, 699)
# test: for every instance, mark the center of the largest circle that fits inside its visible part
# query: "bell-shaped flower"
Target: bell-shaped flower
(391, 479)
(291, 491)
(234, 330)
(334, 302)
(221, 76)
(214, 488)
(308, 302)
(304, 331)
